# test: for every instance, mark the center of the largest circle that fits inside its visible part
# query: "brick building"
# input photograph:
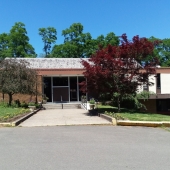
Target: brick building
(60, 78)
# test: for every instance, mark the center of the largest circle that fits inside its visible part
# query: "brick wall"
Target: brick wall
(24, 97)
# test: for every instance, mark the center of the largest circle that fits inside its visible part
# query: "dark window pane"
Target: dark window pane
(60, 81)
(73, 88)
(81, 79)
(158, 81)
(163, 105)
(47, 88)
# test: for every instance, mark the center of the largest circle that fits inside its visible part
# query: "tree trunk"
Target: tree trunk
(3, 96)
(36, 98)
(10, 99)
(118, 104)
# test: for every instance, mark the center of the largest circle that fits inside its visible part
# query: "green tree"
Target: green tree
(116, 70)
(165, 52)
(4, 43)
(162, 51)
(17, 77)
(18, 45)
(81, 45)
(76, 43)
(49, 37)
(110, 39)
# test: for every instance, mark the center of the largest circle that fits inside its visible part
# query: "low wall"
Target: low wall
(150, 105)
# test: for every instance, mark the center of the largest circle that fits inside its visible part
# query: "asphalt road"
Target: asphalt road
(84, 148)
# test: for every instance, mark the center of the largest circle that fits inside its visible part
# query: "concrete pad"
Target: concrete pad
(55, 117)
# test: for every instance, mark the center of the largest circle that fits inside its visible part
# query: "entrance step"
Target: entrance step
(62, 106)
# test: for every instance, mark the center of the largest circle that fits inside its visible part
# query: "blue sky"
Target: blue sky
(145, 18)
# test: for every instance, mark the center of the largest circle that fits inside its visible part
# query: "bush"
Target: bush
(3, 104)
(31, 104)
(24, 105)
(92, 101)
(132, 103)
(129, 102)
(17, 103)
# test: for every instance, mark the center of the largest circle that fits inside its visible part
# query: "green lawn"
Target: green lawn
(9, 113)
(132, 115)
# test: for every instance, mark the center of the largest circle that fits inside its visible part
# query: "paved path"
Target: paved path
(56, 117)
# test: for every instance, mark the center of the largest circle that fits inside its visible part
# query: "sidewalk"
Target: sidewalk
(55, 117)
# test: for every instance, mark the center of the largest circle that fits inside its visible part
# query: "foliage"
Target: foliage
(16, 43)
(81, 45)
(24, 105)
(17, 77)
(8, 113)
(136, 116)
(132, 102)
(110, 39)
(165, 52)
(74, 42)
(3, 104)
(162, 51)
(31, 104)
(128, 114)
(19, 42)
(44, 97)
(49, 37)
(144, 95)
(92, 101)
(119, 70)
(83, 97)
(117, 116)
(4, 46)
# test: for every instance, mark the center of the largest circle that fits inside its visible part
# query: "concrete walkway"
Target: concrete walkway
(56, 117)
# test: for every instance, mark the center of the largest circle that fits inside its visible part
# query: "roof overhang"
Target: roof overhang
(52, 72)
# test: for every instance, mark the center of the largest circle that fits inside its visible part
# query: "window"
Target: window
(158, 81)
(60, 81)
(163, 105)
(145, 87)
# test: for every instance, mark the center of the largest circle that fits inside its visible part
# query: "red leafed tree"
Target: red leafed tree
(119, 70)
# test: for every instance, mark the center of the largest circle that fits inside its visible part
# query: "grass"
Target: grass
(132, 114)
(8, 113)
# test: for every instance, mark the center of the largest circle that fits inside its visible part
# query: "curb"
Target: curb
(142, 123)
(110, 119)
(17, 122)
(134, 123)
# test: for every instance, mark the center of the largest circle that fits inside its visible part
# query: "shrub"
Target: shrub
(24, 105)
(3, 104)
(92, 101)
(31, 104)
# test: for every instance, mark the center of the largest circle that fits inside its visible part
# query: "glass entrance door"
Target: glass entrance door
(60, 89)
(73, 88)
(60, 94)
